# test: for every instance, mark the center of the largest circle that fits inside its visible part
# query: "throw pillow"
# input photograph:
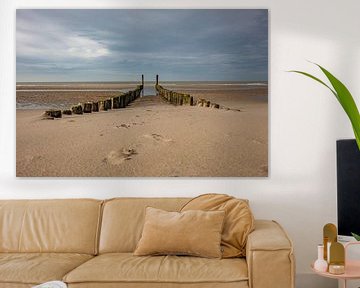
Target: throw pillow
(196, 233)
(238, 224)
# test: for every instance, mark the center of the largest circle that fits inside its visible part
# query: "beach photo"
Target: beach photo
(142, 93)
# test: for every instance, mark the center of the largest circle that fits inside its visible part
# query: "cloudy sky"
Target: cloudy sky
(120, 45)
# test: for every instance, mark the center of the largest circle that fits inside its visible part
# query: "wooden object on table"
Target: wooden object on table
(352, 268)
(330, 236)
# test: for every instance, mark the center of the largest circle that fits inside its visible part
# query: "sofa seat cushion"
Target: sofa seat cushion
(127, 268)
(36, 268)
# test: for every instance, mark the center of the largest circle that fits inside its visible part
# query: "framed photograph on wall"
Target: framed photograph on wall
(142, 93)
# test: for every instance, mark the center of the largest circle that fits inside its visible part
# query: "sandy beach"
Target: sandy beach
(148, 138)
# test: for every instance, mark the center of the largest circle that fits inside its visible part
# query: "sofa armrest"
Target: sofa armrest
(269, 256)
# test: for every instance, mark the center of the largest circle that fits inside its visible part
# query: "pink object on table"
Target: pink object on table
(352, 268)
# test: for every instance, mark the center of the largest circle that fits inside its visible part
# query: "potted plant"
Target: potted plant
(347, 102)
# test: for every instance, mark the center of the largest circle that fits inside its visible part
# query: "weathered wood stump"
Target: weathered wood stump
(88, 107)
(214, 105)
(207, 104)
(191, 101)
(116, 102)
(200, 102)
(186, 99)
(122, 101)
(77, 109)
(102, 106)
(51, 114)
(95, 106)
(107, 104)
(67, 112)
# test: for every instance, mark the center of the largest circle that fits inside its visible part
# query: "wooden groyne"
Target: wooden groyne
(177, 98)
(117, 102)
(174, 97)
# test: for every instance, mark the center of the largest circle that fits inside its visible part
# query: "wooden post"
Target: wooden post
(122, 101)
(126, 99)
(191, 101)
(200, 102)
(107, 104)
(53, 114)
(116, 102)
(102, 106)
(95, 106)
(142, 84)
(157, 79)
(87, 107)
(67, 112)
(77, 109)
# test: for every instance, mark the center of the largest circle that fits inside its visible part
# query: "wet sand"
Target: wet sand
(151, 138)
(64, 95)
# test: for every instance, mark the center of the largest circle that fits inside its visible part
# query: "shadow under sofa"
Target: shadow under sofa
(90, 243)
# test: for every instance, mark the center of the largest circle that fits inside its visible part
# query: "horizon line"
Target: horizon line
(124, 81)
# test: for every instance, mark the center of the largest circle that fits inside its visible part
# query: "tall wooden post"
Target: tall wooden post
(157, 79)
(142, 83)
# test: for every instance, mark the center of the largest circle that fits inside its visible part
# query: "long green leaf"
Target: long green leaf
(344, 97)
(357, 237)
(347, 102)
(316, 79)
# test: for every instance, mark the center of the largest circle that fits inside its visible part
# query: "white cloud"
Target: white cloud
(83, 47)
(52, 41)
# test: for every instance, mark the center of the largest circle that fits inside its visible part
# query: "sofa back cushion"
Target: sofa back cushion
(123, 220)
(66, 226)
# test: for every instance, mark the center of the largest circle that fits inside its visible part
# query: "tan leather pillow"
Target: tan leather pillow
(238, 224)
(196, 233)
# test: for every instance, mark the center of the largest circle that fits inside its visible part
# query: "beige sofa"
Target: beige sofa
(89, 243)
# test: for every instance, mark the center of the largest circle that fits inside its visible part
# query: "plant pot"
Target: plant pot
(348, 187)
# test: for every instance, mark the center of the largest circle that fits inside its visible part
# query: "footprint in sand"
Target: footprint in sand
(127, 126)
(158, 137)
(118, 157)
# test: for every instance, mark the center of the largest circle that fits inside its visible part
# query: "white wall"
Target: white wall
(304, 123)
